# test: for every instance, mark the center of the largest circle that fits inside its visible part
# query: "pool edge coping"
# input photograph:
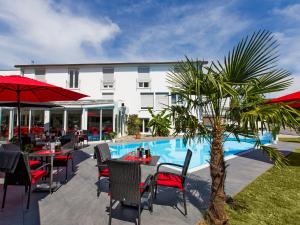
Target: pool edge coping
(197, 168)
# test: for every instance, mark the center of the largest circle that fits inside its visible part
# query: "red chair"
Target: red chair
(173, 180)
(21, 174)
(102, 154)
(63, 161)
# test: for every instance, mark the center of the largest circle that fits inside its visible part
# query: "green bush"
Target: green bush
(113, 135)
(133, 124)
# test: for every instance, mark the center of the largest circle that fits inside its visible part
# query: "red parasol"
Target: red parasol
(22, 89)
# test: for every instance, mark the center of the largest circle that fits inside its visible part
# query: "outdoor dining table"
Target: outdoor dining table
(148, 165)
(151, 161)
(51, 154)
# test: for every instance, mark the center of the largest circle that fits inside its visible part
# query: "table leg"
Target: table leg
(51, 173)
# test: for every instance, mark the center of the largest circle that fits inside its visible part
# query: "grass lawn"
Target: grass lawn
(290, 139)
(273, 198)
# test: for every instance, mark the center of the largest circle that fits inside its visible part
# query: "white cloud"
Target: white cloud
(37, 31)
(291, 11)
(201, 30)
(289, 40)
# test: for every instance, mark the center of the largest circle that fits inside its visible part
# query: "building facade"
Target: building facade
(115, 90)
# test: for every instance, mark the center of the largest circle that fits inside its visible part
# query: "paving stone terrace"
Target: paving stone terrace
(76, 202)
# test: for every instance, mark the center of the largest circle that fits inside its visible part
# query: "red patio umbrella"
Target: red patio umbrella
(19, 89)
(293, 97)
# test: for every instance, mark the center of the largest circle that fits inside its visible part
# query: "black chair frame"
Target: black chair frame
(21, 176)
(183, 175)
(102, 155)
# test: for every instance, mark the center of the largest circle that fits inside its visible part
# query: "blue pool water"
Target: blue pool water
(174, 150)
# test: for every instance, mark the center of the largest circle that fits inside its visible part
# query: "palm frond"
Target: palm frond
(275, 155)
(252, 57)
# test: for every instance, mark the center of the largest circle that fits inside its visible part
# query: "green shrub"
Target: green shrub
(133, 124)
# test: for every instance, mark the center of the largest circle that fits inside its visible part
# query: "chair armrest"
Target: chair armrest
(169, 164)
(148, 181)
(44, 165)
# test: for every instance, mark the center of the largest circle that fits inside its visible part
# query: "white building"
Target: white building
(114, 89)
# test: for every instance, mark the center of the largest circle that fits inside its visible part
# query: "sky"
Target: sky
(81, 31)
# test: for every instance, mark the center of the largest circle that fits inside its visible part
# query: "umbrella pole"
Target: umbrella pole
(19, 115)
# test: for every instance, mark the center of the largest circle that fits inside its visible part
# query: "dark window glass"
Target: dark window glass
(146, 121)
(71, 78)
(143, 69)
(173, 99)
(39, 71)
(76, 78)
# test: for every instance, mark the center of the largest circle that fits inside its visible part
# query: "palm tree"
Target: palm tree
(231, 96)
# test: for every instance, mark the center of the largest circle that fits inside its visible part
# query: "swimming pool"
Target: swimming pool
(174, 150)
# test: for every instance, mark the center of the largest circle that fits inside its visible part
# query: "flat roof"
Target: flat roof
(104, 64)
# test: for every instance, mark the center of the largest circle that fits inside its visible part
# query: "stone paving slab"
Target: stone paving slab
(76, 202)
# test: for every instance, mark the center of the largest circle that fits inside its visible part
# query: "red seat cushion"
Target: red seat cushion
(34, 163)
(142, 187)
(37, 174)
(170, 180)
(104, 173)
(63, 157)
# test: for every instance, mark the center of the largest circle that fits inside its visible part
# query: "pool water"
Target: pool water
(174, 150)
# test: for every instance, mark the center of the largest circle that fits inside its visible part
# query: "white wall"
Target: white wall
(90, 77)
(9, 72)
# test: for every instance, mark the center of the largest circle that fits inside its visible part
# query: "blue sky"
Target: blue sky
(68, 31)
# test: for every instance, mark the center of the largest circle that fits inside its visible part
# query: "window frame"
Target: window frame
(108, 84)
(74, 79)
(150, 93)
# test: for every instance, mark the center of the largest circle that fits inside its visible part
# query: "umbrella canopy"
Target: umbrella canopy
(33, 91)
(22, 89)
(293, 97)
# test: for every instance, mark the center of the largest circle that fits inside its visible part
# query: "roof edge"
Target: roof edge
(104, 64)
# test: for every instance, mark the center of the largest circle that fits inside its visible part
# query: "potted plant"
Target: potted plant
(28, 148)
(133, 125)
(113, 135)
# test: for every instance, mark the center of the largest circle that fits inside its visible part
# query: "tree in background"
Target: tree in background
(159, 123)
(232, 95)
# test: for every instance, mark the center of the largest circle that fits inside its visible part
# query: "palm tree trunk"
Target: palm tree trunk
(216, 211)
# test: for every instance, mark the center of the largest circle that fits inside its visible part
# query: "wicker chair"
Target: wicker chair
(63, 161)
(125, 185)
(102, 154)
(169, 179)
(21, 174)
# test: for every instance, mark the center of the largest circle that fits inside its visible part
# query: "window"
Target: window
(144, 126)
(143, 84)
(146, 100)
(108, 77)
(40, 74)
(108, 95)
(143, 77)
(176, 99)
(143, 69)
(74, 78)
(161, 100)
